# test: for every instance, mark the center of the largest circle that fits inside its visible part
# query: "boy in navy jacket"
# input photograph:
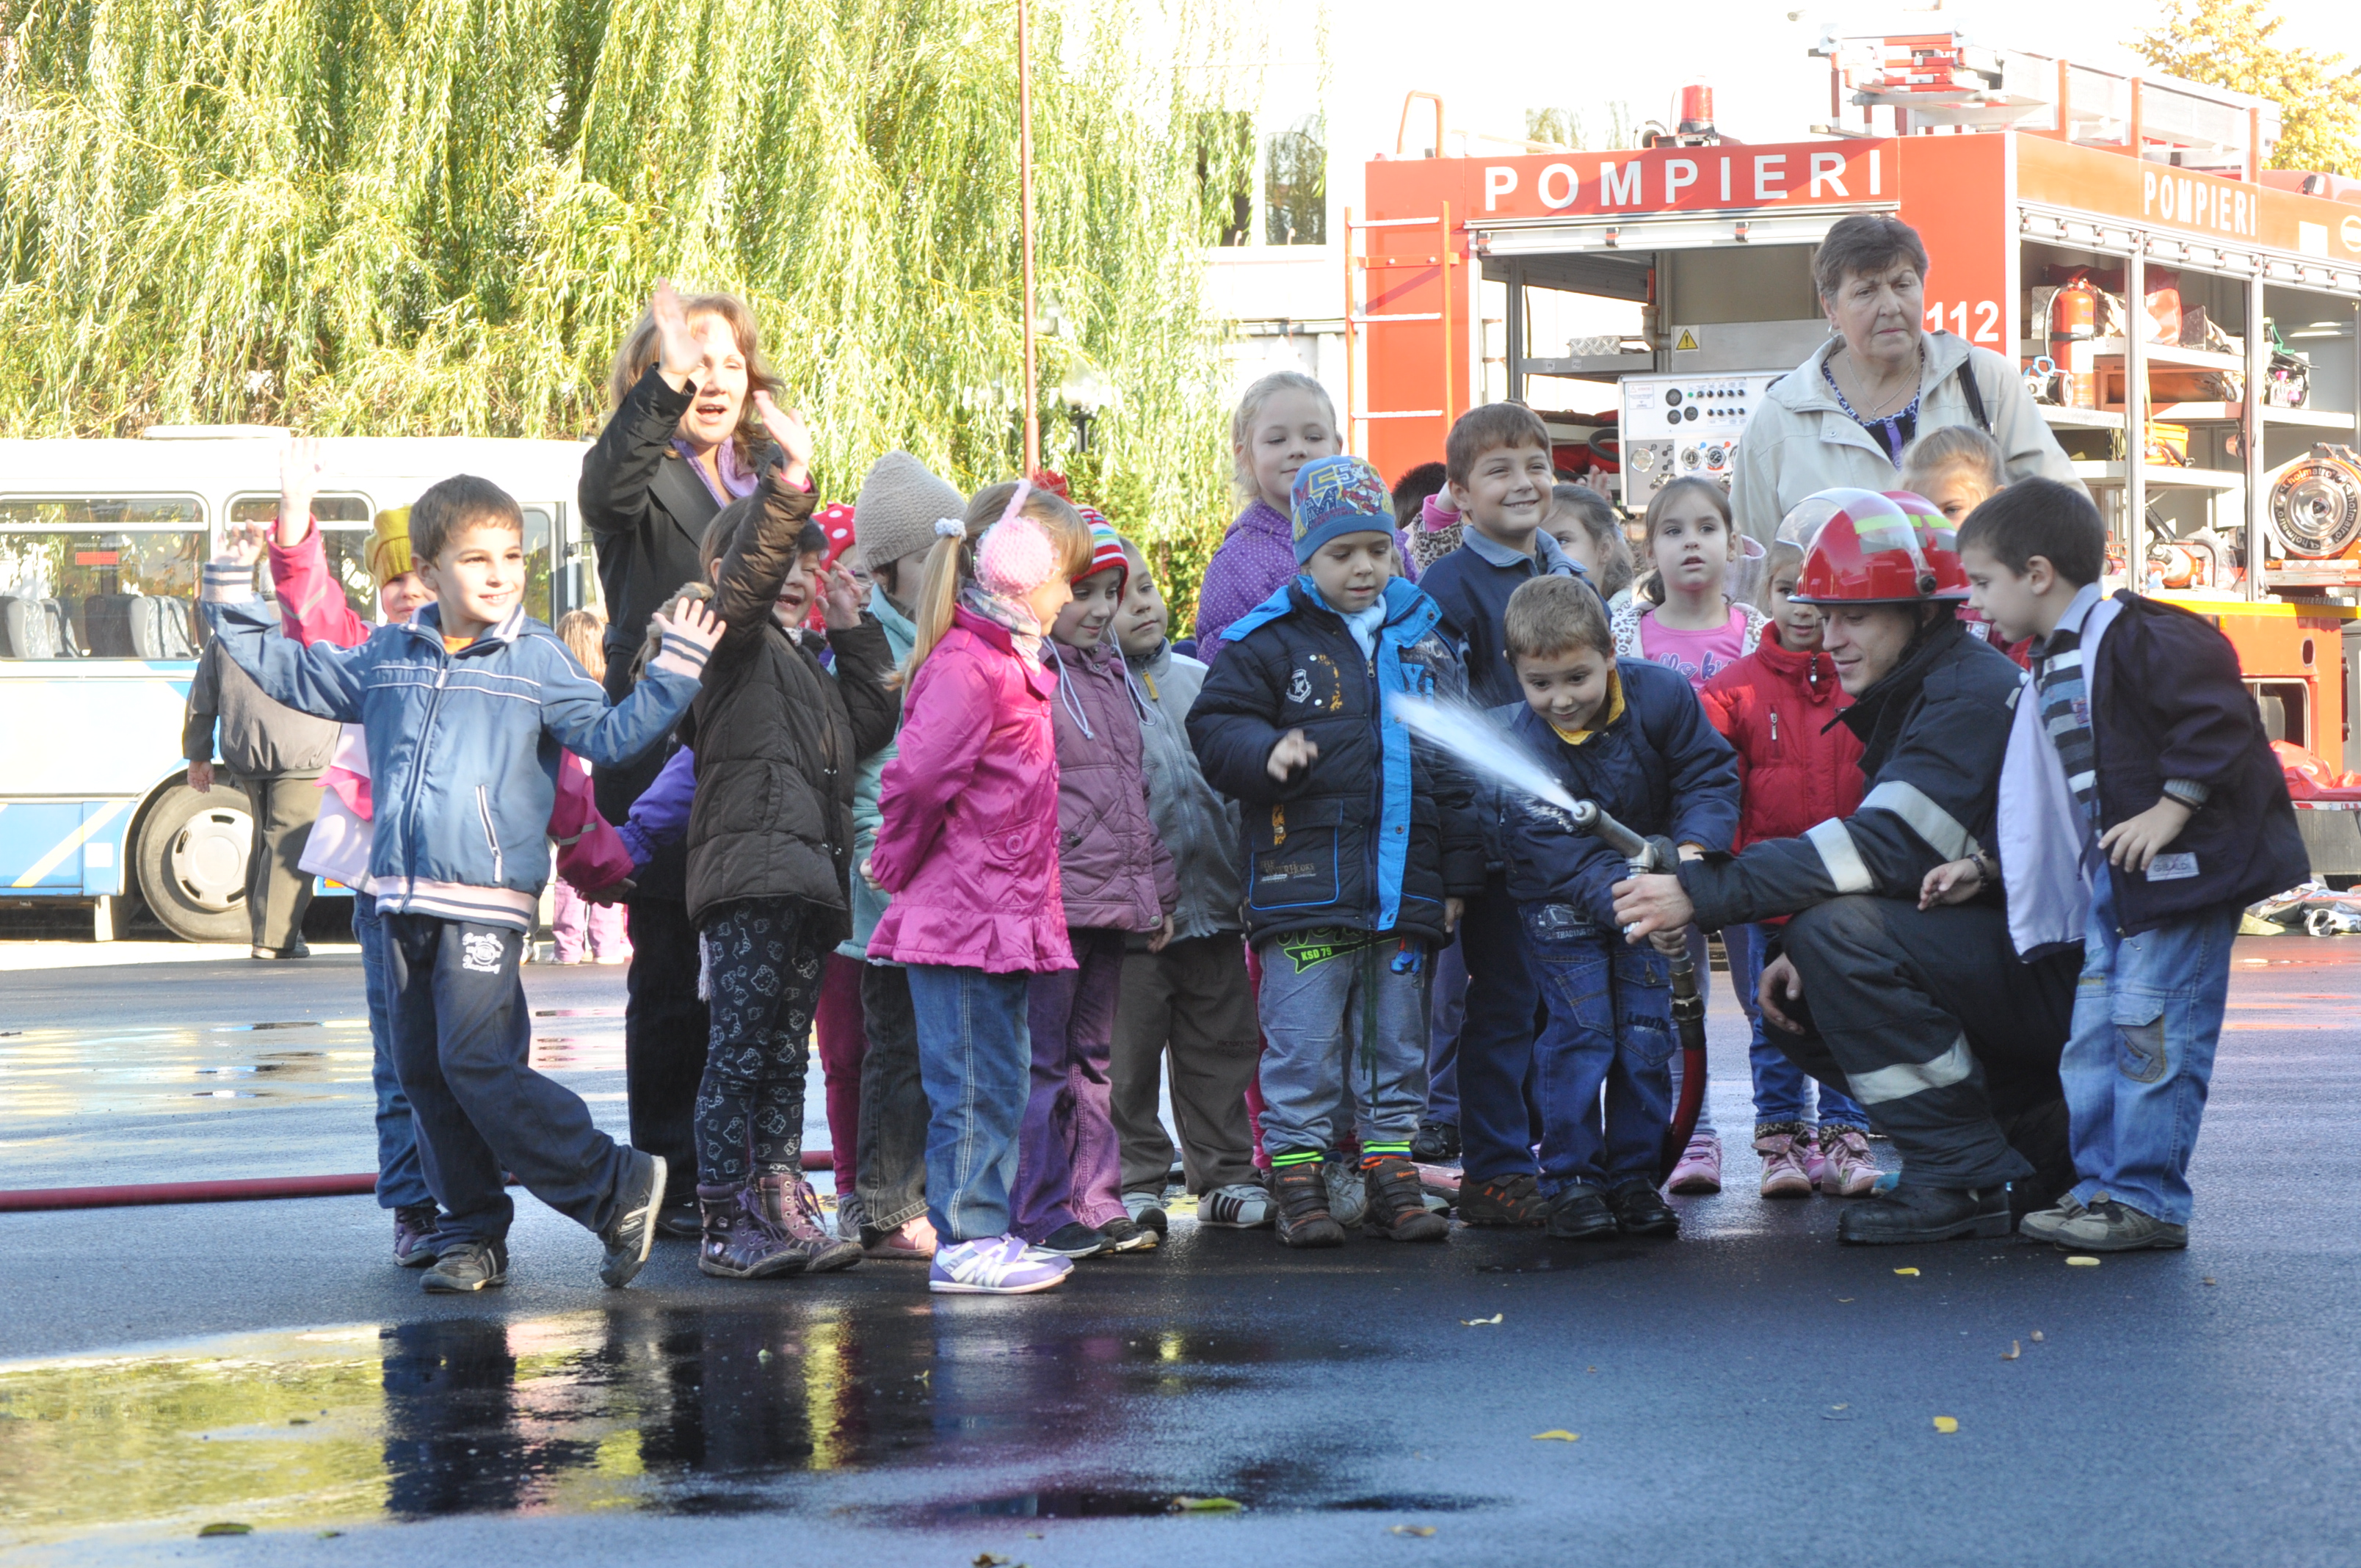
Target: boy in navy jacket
(2167, 786)
(467, 707)
(1631, 736)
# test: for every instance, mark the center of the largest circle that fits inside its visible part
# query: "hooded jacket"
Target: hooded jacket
(868, 900)
(464, 748)
(1623, 621)
(967, 834)
(1801, 439)
(1198, 827)
(1933, 733)
(1378, 831)
(1657, 767)
(776, 737)
(1112, 867)
(1795, 766)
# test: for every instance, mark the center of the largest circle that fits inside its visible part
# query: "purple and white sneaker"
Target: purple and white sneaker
(413, 1235)
(997, 1265)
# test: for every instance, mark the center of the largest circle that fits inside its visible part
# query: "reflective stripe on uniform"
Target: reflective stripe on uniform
(1930, 821)
(1908, 1078)
(1839, 855)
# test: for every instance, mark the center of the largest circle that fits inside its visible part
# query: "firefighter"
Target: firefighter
(1924, 1014)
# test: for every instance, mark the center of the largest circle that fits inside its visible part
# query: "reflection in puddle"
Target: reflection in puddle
(694, 1411)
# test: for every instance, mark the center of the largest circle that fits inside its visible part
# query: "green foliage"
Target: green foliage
(441, 218)
(2232, 44)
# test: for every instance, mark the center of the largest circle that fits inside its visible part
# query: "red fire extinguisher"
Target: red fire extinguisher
(2073, 328)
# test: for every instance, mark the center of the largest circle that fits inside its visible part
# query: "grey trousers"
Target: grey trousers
(1342, 1009)
(1190, 1004)
(283, 807)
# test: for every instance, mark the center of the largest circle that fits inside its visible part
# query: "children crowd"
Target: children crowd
(928, 779)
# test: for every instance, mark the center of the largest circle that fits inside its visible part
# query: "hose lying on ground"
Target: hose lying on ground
(36, 1199)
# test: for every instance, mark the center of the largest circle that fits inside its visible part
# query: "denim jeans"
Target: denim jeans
(1069, 1164)
(1609, 1027)
(1782, 1092)
(975, 1056)
(2148, 1015)
(1496, 1041)
(893, 1168)
(400, 1180)
(1448, 1015)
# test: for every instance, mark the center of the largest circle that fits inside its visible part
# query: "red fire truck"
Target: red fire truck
(2191, 323)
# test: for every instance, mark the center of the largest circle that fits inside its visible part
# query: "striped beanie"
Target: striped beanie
(1106, 549)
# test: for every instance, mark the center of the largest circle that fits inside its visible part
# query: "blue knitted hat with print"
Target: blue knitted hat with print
(1337, 496)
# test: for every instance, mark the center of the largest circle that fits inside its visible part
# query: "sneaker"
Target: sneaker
(1698, 1170)
(1241, 1206)
(1396, 1203)
(1437, 1143)
(1147, 1210)
(1847, 1168)
(1304, 1217)
(413, 1235)
(793, 1209)
(2044, 1225)
(1076, 1240)
(1815, 1155)
(2109, 1225)
(998, 1266)
(850, 1219)
(468, 1266)
(1641, 1210)
(739, 1239)
(633, 1231)
(1781, 1144)
(1915, 1213)
(912, 1240)
(1512, 1201)
(1348, 1194)
(1123, 1235)
(1580, 1213)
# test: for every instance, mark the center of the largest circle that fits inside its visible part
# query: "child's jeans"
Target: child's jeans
(582, 927)
(843, 1042)
(765, 985)
(1496, 1041)
(1447, 1017)
(1610, 1027)
(2148, 1015)
(1069, 1167)
(1342, 1010)
(461, 1034)
(1193, 1003)
(974, 1051)
(1782, 1092)
(893, 1164)
(401, 1181)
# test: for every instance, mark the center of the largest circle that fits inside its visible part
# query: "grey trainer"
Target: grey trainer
(2109, 1225)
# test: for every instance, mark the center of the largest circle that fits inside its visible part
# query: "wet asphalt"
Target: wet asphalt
(1749, 1393)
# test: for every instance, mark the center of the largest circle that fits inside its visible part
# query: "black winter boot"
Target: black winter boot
(1303, 1218)
(1397, 1204)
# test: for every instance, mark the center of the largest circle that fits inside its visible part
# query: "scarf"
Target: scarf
(1013, 615)
(738, 481)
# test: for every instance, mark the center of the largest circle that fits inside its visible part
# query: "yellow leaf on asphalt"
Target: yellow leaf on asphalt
(2080, 1260)
(1557, 1435)
(1207, 1506)
(989, 1560)
(1410, 1530)
(1947, 1424)
(2015, 1350)
(228, 1528)
(1909, 1271)
(2209, 1280)
(1480, 1323)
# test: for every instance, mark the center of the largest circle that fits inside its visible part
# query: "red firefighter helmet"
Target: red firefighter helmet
(1938, 536)
(1869, 550)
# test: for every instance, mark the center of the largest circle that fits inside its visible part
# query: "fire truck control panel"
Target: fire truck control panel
(1684, 425)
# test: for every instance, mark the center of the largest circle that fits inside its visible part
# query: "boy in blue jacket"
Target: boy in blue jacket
(1631, 736)
(2175, 816)
(467, 707)
(1359, 847)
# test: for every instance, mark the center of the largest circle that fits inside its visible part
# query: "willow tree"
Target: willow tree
(440, 217)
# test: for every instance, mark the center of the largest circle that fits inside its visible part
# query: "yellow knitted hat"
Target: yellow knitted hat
(389, 551)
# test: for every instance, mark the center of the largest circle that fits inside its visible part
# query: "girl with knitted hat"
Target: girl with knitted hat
(1115, 877)
(967, 844)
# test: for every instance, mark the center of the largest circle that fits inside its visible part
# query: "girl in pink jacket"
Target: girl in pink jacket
(967, 843)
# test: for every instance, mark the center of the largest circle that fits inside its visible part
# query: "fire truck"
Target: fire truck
(2189, 323)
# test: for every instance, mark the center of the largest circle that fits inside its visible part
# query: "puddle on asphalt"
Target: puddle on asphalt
(691, 1411)
(1099, 1503)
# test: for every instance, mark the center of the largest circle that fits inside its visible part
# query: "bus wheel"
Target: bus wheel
(193, 851)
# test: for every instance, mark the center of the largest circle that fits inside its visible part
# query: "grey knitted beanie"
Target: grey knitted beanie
(900, 502)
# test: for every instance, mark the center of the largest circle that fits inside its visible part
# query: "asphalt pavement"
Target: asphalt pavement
(1749, 1393)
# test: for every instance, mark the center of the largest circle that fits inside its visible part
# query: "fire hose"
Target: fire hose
(1688, 1002)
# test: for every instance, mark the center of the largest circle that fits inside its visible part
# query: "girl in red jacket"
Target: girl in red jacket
(1774, 707)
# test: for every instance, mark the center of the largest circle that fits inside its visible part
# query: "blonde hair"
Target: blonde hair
(1954, 448)
(952, 562)
(643, 343)
(584, 631)
(1784, 553)
(1242, 420)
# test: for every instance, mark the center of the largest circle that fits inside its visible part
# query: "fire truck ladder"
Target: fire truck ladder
(1357, 266)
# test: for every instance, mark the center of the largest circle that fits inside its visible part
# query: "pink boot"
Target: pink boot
(1698, 1170)
(1849, 1172)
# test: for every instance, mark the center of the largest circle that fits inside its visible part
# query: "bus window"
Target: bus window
(344, 533)
(72, 570)
(540, 528)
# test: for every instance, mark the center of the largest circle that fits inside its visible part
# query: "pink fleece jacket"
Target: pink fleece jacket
(967, 841)
(590, 854)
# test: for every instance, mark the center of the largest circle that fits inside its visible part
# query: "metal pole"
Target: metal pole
(1024, 207)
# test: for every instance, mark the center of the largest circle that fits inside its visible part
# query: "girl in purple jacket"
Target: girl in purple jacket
(1115, 876)
(967, 843)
